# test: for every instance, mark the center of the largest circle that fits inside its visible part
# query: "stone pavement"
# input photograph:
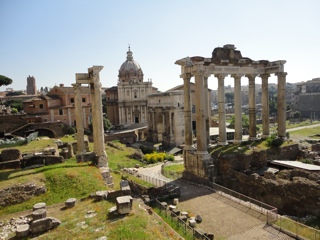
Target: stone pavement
(221, 216)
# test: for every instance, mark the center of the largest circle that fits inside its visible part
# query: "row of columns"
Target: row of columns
(203, 108)
(124, 111)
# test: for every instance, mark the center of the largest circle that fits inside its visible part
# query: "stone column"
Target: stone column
(281, 104)
(171, 127)
(252, 107)
(265, 106)
(69, 116)
(206, 112)
(79, 123)
(237, 109)
(97, 123)
(187, 112)
(200, 110)
(221, 110)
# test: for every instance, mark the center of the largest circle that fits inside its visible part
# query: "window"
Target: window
(41, 106)
(193, 108)
(72, 100)
(83, 99)
(60, 111)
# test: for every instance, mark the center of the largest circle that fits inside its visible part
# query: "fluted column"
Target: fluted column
(252, 106)
(79, 123)
(200, 110)
(206, 112)
(221, 110)
(237, 109)
(281, 104)
(265, 106)
(187, 111)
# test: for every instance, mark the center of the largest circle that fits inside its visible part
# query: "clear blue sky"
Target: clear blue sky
(53, 40)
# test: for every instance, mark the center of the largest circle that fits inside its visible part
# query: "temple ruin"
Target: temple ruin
(226, 61)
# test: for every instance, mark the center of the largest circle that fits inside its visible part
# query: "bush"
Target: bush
(157, 157)
(274, 141)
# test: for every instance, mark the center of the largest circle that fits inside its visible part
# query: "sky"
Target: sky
(53, 40)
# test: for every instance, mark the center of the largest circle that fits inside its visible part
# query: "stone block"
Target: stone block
(44, 224)
(101, 195)
(198, 219)
(22, 230)
(39, 213)
(171, 207)
(71, 202)
(210, 236)
(192, 223)
(184, 214)
(183, 219)
(175, 212)
(40, 205)
(164, 205)
(175, 201)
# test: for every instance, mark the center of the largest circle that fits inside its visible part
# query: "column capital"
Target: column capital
(220, 76)
(281, 74)
(237, 76)
(198, 70)
(251, 77)
(186, 76)
(264, 76)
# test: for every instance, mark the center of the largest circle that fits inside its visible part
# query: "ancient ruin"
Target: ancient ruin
(224, 62)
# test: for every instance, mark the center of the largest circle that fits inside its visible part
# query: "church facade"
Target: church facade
(127, 102)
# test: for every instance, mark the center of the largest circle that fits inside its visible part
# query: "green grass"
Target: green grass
(306, 132)
(62, 182)
(297, 228)
(172, 171)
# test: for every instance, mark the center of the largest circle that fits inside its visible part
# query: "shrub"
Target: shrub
(169, 157)
(274, 141)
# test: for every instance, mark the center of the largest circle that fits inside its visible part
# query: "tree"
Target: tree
(5, 81)
(245, 122)
(229, 97)
(13, 103)
(15, 93)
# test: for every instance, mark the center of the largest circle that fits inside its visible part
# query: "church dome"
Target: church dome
(130, 71)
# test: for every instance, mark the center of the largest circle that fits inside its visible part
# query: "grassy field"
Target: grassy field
(79, 180)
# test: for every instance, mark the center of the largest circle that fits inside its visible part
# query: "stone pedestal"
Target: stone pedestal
(22, 231)
(38, 214)
(37, 206)
(71, 202)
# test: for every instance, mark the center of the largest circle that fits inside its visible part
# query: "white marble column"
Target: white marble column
(221, 110)
(206, 112)
(252, 106)
(79, 123)
(200, 111)
(187, 112)
(265, 106)
(281, 104)
(171, 127)
(237, 109)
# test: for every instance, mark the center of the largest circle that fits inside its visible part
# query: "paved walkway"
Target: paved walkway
(221, 216)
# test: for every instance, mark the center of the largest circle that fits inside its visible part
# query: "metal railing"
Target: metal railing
(270, 212)
(296, 229)
(184, 227)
